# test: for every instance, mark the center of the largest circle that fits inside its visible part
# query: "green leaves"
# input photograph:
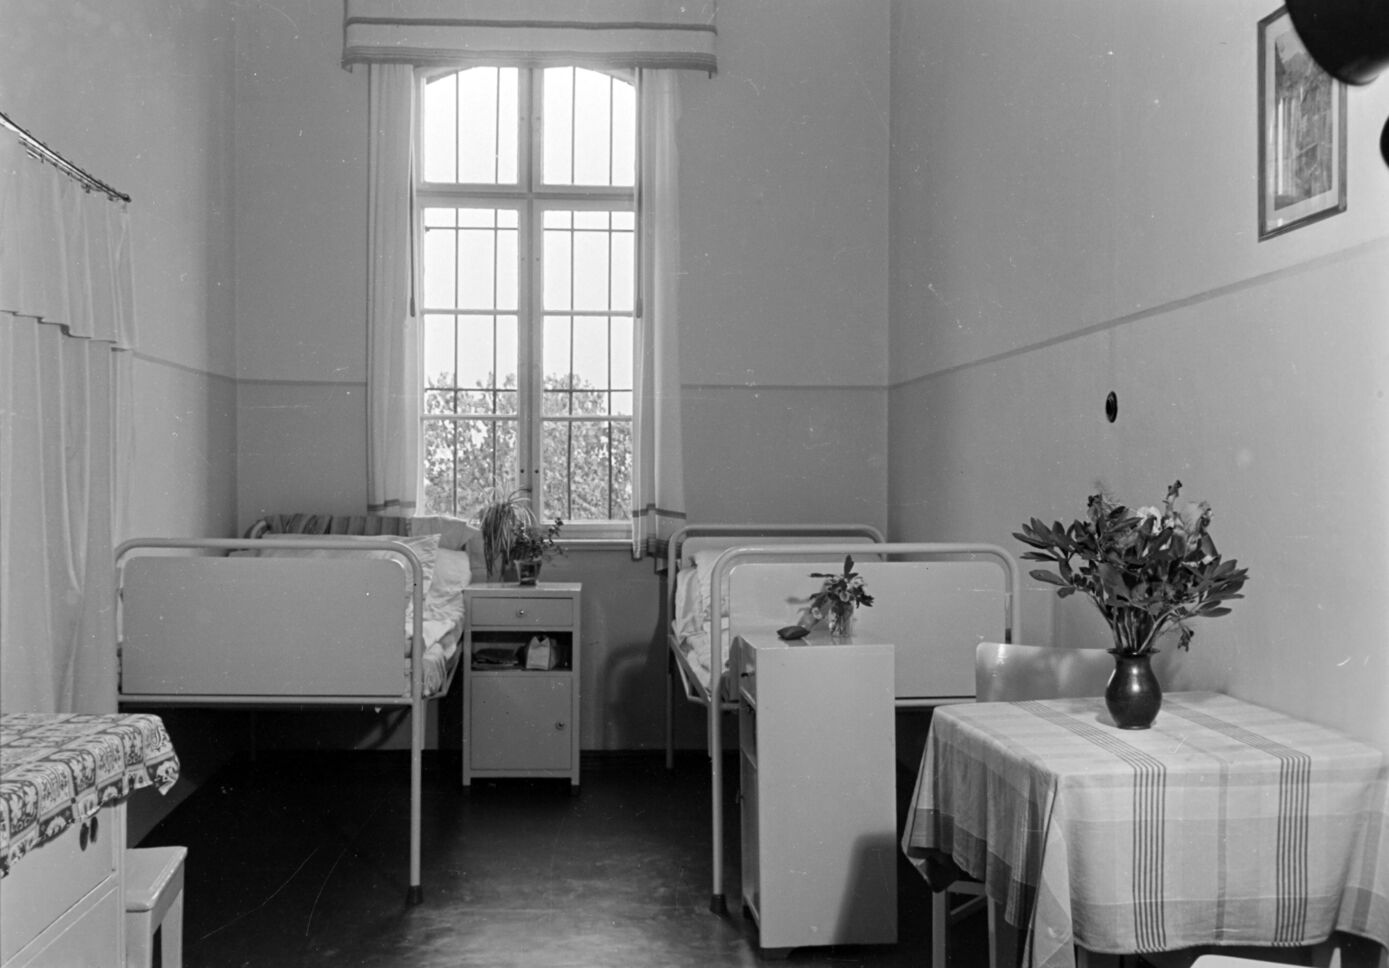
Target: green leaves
(1146, 570)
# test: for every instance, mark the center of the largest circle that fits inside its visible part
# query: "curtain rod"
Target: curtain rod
(42, 152)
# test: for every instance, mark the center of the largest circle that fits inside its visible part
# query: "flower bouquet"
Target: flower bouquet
(1148, 571)
(838, 596)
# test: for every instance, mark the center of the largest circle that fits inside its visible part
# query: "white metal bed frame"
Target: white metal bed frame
(736, 555)
(414, 701)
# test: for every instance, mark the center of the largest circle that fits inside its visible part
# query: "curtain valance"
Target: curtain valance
(64, 251)
(669, 34)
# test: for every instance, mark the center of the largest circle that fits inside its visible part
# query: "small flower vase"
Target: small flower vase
(841, 620)
(528, 571)
(1133, 696)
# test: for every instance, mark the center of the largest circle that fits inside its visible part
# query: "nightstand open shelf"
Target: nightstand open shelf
(518, 721)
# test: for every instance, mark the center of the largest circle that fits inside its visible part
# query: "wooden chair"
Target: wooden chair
(1006, 672)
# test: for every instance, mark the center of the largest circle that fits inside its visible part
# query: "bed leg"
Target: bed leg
(415, 894)
(670, 712)
(718, 904)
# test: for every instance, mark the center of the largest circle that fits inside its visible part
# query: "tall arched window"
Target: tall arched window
(527, 214)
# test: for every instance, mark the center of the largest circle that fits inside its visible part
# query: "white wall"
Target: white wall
(1074, 211)
(139, 92)
(784, 303)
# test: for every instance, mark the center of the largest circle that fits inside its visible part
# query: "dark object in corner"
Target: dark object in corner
(792, 632)
(1348, 38)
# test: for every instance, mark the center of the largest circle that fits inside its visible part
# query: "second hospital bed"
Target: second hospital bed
(934, 602)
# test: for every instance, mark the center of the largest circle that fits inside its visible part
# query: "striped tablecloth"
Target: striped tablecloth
(1225, 823)
(56, 770)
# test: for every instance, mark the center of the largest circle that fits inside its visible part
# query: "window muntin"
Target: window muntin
(529, 290)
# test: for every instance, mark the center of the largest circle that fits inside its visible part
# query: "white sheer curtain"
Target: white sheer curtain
(66, 314)
(658, 472)
(393, 371)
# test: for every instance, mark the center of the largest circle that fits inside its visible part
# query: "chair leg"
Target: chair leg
(1003, 939)
(171, 935)
(940, 920)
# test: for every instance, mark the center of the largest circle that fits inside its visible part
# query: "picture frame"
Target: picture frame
(1302, 132)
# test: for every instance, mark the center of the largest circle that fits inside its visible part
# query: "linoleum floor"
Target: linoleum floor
(301, 860)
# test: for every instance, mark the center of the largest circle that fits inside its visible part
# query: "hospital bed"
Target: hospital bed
(934, 602)
(298, 620)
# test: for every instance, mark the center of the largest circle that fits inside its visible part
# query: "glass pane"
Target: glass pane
(557, 454)
(476, 344)
(591, 270)
(591, 354)
(508, 267)
(475, 401)
(508, 130)
(440, 401)
(621, 436)
(437, 458)
(621, 350)
(592, 128)
(557, 136)
(622, 403)
(440, 257)
(557, 352)
(440, 131)
(477, 254)
(508, 354)
(556, 268)
(624, 171)
(439, 352)
(623, 270)
(486, 128)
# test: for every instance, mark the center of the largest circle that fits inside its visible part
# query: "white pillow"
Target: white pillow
(452, 573)
(704, 569)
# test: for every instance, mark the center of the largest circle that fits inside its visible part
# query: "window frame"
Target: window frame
(531, 197)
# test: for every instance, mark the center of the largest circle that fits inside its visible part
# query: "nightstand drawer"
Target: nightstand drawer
(518, 612)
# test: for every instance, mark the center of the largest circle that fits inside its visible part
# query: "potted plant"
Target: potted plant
(511, 534)
(838, 596)
(1148, 571)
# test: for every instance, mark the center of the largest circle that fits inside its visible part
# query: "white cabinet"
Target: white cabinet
(61, 905)
(816, 754)
(520, 721)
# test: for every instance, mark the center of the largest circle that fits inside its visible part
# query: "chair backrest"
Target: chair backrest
(1006, 671)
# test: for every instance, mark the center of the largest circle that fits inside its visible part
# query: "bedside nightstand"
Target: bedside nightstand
(519, 721)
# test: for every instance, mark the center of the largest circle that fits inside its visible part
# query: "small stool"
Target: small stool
(154, 902)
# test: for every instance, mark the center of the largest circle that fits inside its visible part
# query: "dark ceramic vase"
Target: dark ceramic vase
(1133, 696)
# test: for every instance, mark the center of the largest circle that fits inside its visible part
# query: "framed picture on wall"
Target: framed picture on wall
(1302, 132)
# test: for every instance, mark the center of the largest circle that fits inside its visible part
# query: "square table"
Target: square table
(1225, 823)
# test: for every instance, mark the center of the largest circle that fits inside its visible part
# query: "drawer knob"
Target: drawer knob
(559, 726)
(520, 613)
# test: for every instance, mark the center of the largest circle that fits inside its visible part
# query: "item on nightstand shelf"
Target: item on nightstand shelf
(541, 653)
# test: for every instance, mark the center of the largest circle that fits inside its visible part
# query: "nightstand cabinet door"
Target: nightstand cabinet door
(520, 717)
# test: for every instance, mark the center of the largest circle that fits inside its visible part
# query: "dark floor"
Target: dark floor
(302, 860)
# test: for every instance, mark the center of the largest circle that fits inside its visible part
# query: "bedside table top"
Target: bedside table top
(511, 588)
(817, 639)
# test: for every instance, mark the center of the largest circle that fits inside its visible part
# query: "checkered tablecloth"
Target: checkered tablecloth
(56, 770)
(1225, 823)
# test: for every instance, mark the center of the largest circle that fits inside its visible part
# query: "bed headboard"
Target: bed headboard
(455, 534)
